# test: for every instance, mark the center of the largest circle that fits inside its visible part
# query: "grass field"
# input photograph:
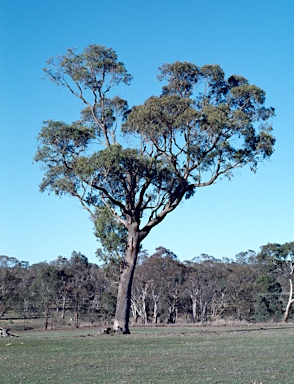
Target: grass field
(151, 355)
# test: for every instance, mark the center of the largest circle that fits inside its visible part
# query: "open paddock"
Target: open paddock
(227, 355)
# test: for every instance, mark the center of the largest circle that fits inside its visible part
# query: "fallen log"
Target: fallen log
(5, 333)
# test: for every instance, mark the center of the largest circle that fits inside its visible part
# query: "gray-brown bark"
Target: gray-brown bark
(122, 314)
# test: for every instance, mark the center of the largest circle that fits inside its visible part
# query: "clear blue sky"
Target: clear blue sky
(247, 37)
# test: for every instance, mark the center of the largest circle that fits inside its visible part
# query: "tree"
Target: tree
(141, 289)
(80, 287)
(141, 163)
(206, 285)
(281, 260)
(44, 289)
(170, 275)
(268, 302)
(148, 282)
(240, 289)
(9, 283)
(62, 266)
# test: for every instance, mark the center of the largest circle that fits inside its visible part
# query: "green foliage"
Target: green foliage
(141, 163)
(89, 68)
(108, 304)
(278, 257)
(268, 304)
(112, 235)
(182, 84)
(195, 134)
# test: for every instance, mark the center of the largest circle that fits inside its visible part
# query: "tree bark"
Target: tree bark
(46, 318)
(63, 307)
(194, 308)
(123, 304)
(77, 312)
(290, 301)
(135, 310)
(144, 309)
(155, 308)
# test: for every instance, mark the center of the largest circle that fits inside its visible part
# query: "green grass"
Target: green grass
(150, 355)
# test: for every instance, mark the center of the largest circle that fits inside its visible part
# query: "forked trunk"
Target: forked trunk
(123, 304)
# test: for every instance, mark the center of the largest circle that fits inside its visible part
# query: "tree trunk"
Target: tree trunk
(155, 308)
(76, 313)
(194, 308)
(203, 312)
(144, 304)
(123, 304)
(171, 312)
(290, 301)
(46, 318)
(134, 309)
(63, 307)
(144, 311)
(176, 304)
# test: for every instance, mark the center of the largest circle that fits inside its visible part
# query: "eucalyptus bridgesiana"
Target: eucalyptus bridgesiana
(138, 164)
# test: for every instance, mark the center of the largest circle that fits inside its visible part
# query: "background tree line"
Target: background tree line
(254, 287)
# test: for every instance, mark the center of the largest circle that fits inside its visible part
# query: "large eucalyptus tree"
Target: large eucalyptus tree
(140, 163)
